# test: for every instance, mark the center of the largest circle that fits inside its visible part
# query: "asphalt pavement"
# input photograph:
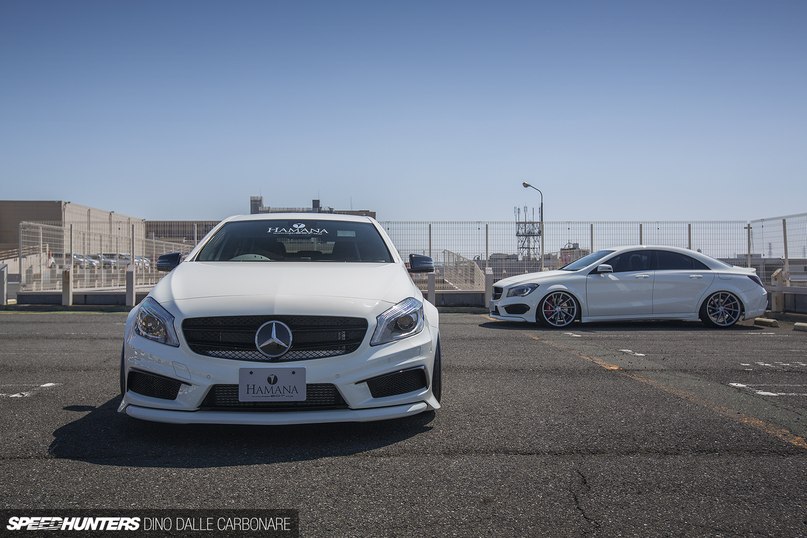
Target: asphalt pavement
(634, 429)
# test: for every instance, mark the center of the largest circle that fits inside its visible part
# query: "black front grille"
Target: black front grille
(396, 383)
(319, 396)
(497, 293)
(155, 386)
(314, 337)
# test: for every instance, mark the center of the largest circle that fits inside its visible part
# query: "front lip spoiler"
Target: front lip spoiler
(277, 418)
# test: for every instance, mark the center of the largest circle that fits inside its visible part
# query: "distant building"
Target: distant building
(83, 219)
(256, 207)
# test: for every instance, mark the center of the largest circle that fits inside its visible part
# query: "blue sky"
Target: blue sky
(418, 110)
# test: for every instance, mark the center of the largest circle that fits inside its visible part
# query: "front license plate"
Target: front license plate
(271, 384)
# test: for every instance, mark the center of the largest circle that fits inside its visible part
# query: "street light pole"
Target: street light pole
(540, 217)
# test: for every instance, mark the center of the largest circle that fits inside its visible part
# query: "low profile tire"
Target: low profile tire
(558, 310)
(721, 310)
(437, 374)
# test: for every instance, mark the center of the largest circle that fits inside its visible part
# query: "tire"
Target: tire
(437, 374)
(558, 310)
(721, 310)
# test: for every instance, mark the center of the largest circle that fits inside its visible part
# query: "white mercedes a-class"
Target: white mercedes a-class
(284, 319)
(633, 283)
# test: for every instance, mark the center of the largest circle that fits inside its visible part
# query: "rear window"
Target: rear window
(296, 241)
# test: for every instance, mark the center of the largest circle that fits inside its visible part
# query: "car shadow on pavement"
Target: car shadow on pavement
(105, 437)
(622, 326)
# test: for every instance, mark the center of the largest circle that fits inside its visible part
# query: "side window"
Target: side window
(672, 261)
(637, 260)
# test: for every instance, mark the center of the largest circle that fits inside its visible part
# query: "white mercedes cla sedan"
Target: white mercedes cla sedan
(284, 319)
(633, 283)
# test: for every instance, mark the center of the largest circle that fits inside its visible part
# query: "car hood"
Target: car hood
(287, 281)
(530, 277)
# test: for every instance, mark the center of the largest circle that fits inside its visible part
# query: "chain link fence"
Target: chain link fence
(98, 259)
(462, 250)
(512, 248)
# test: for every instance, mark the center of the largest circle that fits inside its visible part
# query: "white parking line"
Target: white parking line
(574, 335)
(26, 393)
(631, 352)
(759, 391)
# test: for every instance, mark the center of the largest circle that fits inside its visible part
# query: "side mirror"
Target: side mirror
(167, 262)
(604, 268)
(420, 264)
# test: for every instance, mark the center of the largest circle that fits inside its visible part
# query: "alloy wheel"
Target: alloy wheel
(558, 309)
(723, 309)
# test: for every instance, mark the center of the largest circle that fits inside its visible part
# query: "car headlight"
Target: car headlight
(152, 321)
(403, 320)
(522, 290)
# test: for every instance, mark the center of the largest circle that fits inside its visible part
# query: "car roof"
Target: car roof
(693, 253)
(299, 216)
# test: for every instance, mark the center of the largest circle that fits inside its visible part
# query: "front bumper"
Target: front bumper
(519, 310)
(275, 418)
(348, 373)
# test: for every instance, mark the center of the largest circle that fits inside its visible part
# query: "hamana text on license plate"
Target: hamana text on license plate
(271, 384)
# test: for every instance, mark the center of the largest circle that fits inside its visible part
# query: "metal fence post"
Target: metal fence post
(67, 287)
(19, 268)
(592, 237)
(641, 237)
(689, 236)
(748, 257)
(130, 285)
(430, 240)
(487, 245)
(430, 290)
(488, 286)
(3, 284)
(787, 256)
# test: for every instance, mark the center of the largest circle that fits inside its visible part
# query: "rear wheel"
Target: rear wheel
(721, 309)
(558, 309)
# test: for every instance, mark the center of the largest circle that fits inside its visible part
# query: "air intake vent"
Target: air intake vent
(398, 382)
(516, 309)
(155, 386)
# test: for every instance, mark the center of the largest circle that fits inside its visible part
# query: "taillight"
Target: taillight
(756, 279)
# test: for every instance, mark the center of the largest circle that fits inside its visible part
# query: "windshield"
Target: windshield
(585, 261)
(296, 241)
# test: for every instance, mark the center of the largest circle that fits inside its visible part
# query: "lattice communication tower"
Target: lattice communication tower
(528, 233)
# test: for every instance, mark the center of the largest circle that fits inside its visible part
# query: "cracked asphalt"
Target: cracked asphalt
(602, 430)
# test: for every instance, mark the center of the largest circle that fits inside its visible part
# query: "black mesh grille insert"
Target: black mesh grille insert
(153, 385)
(497, 293)
(397, 382)
(314, 337)
(516, 309)
(319, 396)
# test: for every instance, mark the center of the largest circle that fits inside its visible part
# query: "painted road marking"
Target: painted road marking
(776, 365)
(631, 352)
(26, 393)
(779, 432)
(759, 389)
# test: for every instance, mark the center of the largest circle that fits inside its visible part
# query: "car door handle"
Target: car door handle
(695, 276)
(641, 276)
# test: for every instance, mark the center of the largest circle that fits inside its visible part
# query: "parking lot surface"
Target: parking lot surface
(605, 429)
